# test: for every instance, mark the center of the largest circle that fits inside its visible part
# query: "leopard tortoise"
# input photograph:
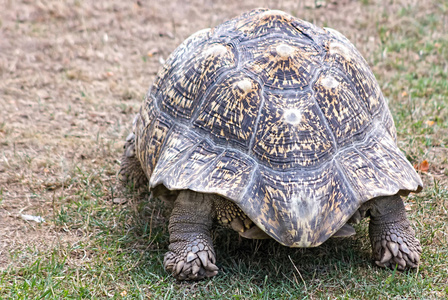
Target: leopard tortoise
(275, 128)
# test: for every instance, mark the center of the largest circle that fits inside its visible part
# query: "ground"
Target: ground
(72, 76)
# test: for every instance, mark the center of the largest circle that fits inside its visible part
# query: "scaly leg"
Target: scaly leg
(392, 237)
(191, 255)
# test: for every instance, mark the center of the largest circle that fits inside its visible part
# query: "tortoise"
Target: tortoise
(278, 129)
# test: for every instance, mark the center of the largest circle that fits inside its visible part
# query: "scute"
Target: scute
(389, 124)
(390, 161)
(314, 203)
(178, 56)
(282, 63)
(232, 109)
(263, 22)
(377, 168)
(343, 55)
(285, 145)
(150, 140)
(180, 94)
(282, 118)
(196, 164)
(176, 151)
(339, 103)
(228, 175)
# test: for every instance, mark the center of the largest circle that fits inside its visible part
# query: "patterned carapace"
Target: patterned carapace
(281, 117)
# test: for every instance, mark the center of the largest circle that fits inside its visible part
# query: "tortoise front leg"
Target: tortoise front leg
(131, 171)
(191, 255)
(392, 237)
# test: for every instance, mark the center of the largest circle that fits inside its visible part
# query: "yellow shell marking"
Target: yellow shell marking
(341, 49)
(270, 13)
(245, 85)
(293, 116)
(216, 50)
(330, 82)
(284, 51)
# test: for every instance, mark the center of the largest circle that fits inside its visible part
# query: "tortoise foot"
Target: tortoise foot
(393, 240)
(191, 255)
(397, 247)
(191, 262)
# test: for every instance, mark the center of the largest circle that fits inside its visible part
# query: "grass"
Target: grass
(91, 248)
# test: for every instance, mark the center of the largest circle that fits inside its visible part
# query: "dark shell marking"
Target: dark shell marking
(281, 117)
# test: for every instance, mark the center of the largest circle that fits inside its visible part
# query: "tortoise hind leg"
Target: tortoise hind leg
(191, 255)
(131, 171)
(393, 240)
(229, 214)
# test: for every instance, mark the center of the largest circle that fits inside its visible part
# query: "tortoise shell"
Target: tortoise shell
(281, 117)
